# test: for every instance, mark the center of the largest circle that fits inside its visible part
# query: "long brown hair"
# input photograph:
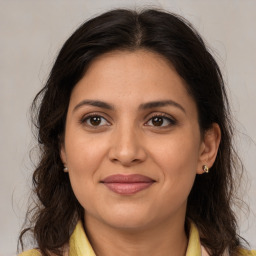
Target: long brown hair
(57, 210)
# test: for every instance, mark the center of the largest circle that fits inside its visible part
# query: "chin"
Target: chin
(129, 224)
(128, 218)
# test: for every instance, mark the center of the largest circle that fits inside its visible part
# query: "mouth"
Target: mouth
(127, 184)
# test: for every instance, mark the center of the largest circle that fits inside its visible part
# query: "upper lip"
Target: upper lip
(127, 178)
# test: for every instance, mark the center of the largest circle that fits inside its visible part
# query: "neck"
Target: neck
(164, 239)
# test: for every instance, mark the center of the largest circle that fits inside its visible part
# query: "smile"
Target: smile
(127, 184)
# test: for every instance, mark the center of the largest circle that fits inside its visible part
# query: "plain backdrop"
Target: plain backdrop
(32, 32)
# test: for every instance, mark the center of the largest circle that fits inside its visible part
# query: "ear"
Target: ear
(63, 155)
(209, 147)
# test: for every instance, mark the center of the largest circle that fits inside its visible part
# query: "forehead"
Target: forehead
(132, 77)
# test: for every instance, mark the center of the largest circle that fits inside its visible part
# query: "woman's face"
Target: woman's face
(132, 141)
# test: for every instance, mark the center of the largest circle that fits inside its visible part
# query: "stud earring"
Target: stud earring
(205, 168)
(65, 169)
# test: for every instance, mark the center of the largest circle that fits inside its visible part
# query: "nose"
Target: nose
(127, 147)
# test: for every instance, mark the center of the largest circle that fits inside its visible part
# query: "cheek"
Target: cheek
(84, 156)
(84, 152)
(177, 157)
(179, 152)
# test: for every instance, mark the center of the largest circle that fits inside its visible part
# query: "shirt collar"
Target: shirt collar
(79, 244)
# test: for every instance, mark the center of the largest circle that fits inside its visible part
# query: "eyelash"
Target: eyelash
(87, 117)
(169, 119)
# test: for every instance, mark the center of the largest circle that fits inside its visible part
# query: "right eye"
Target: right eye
(95, 121)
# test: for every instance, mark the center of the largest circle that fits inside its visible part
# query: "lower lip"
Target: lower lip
(128, 188)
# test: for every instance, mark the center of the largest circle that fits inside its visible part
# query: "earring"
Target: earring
(205, 168)
(65, 169)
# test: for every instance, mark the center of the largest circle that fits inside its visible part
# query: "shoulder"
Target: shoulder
(247, 252)
(32, 252)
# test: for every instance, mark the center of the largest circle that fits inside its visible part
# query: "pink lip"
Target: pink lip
(127, 184)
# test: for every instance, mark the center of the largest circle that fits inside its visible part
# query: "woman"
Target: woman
(135, 138)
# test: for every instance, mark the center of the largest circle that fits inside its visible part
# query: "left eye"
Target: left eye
(95, 121)
(160, 121)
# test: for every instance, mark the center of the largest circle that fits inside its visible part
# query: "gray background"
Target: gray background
(31, 33)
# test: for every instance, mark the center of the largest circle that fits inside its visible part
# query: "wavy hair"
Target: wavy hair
(209, 206)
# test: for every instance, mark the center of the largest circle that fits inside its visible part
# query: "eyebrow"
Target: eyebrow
(163, 103)
(144, 106)
(95, 103)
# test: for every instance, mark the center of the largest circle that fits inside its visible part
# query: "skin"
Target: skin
(127, 141)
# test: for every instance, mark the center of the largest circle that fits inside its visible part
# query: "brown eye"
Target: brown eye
(160, 121)
(95, 121)
(157, 121)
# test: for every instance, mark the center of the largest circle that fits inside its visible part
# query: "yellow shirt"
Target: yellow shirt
(79, 244)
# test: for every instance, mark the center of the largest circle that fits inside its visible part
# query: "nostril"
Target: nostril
(126, 150)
